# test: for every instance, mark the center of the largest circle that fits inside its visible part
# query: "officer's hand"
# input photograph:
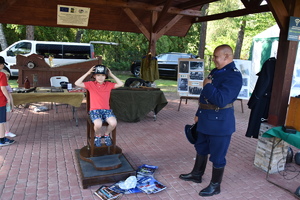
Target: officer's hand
(196, 119)
(206, 81)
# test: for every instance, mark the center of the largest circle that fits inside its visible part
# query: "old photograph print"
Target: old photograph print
(184, 67)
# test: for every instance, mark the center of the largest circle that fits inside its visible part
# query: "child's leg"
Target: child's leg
(2, 121)
(97, 127)
(7, 127)
(112, 123)
(2, 130)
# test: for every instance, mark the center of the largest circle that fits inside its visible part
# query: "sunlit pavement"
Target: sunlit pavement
(42, 163)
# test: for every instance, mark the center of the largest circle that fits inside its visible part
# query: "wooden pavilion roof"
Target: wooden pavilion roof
(173, 17)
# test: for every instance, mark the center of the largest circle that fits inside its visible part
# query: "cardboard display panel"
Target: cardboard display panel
(190, 77)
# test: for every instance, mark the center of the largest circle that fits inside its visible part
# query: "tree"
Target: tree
(2, 38)
(30, 32)
(239, 41)
(202, 34)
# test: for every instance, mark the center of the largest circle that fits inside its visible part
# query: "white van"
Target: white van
(61, 52)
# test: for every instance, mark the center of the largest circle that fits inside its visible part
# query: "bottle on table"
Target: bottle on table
(26, 83)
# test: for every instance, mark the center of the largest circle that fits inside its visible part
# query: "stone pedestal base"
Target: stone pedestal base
(91, 176)
(270, 152)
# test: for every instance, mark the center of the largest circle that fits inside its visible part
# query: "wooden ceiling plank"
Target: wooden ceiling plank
(5, 4)
(137, 22)
(280, 12)
(236, 13)
(142, 6)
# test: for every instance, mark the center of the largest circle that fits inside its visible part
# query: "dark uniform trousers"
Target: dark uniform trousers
(214, 145)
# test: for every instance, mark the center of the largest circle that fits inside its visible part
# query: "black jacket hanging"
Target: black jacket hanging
(259, 101)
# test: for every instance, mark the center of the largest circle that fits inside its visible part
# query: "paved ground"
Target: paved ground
(42, 163)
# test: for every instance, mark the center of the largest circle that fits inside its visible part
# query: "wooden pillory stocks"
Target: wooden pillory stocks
(35, 67)
(105, 164)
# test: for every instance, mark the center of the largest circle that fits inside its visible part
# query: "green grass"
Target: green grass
(166, 85)
(13, 83)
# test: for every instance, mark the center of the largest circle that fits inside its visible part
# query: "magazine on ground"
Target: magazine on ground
(143, 182)
(146, 170)
(105, 193)
(149, 185)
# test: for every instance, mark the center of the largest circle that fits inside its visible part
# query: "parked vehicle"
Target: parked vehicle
(59, 52)
(167, 64)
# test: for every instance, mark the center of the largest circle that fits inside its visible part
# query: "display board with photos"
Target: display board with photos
(190, 77)
(244, 66)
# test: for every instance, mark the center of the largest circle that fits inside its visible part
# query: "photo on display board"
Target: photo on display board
(195, 90)
(184, 67)
(183, 84)
(196, 66)
(243, 94)
(245, 81)
(196, 76)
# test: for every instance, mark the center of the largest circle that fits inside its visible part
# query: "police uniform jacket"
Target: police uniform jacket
(224, 89)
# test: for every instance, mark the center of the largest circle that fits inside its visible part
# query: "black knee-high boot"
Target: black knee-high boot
(215, 184)
(198, 170)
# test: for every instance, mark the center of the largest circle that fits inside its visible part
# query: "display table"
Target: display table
(131, 105)
(292, 139)
(45, 95)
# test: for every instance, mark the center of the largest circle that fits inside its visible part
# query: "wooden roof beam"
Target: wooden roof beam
(249, 3)
(280, 13)
(162, 15)
(194, 3)
(169, 25)
(236, 13)
(137, 22)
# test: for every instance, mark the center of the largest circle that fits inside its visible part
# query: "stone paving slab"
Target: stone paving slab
(42, 163)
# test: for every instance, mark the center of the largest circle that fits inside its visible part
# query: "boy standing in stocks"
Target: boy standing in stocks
(4, 99)
(99, 100)
(216, 121)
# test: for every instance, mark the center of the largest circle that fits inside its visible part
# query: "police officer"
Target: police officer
(216, 121)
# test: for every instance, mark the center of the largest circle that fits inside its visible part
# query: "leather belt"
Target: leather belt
(214, 107)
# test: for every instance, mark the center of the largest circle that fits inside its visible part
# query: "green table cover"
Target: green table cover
(293, 139)
(132, 105)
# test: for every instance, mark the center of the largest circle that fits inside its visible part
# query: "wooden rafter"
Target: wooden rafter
(194, 3)
(162, 15)
(280, 12)
(236, 13)
(169, 25)
(137, 22)
(248, 3)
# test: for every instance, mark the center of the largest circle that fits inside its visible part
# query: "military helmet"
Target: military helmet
(100, 69)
